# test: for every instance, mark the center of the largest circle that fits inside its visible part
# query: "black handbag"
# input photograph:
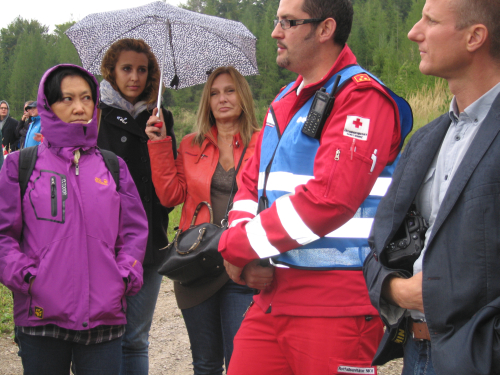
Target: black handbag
(193, 255)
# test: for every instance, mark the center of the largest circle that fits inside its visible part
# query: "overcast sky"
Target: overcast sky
(55, 12)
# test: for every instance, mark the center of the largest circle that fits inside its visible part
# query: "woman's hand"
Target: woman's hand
(153, 130)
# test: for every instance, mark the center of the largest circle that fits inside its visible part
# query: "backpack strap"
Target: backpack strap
(111, 161)
(27, 161)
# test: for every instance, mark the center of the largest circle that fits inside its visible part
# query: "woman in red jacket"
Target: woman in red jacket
(203, 171)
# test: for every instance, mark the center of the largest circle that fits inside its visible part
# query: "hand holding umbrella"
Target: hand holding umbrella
(153, 131)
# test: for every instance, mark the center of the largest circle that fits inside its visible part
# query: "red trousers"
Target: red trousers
(295, 345)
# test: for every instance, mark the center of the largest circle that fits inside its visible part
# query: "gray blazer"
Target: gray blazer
(461, 277)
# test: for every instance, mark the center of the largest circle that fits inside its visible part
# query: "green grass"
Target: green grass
(6, 319)
(173, 220)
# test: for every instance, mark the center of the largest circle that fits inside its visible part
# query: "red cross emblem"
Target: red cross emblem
(357, 123)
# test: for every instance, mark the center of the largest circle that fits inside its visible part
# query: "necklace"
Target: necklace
(224, 141)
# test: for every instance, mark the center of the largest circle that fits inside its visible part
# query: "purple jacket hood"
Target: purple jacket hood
(57, 133)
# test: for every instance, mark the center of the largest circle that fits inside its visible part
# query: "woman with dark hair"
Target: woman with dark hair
(204, 170)
(128, 94)
(71, 245)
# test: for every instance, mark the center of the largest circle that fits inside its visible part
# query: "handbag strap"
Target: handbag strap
(224, 221)
(198, 208)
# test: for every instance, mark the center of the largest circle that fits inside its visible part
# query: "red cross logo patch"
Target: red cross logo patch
(357, 127)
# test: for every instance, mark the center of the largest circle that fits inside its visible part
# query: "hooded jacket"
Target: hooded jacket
(81, 238)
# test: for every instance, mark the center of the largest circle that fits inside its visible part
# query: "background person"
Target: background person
(71, 248)
(23, 125)
(33, 134)
(128, 94)
(8, 127)
(315, 317)
(450, 303)
(204, 171)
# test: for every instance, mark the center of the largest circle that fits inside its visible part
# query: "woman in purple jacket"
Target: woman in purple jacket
(71, 248)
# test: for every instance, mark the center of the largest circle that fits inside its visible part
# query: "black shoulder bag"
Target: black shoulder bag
(193, 255)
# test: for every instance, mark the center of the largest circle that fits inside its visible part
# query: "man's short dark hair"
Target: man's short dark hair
(340, 10)
(52, 89)
(485, 12)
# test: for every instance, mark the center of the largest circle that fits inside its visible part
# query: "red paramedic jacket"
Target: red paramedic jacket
(324, 203)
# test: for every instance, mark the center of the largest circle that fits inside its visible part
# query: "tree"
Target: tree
(28, 63)
(9, 36)
(66, 51)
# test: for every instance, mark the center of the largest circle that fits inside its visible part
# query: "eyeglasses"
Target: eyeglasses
(4, 108)
(286, 24)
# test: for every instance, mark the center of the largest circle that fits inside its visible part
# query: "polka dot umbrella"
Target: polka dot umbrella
(188, 45)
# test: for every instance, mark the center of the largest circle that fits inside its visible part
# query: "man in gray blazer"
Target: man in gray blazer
(444, 317)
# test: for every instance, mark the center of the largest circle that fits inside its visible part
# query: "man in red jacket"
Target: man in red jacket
(313, 314)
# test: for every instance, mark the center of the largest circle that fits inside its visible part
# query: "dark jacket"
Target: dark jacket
(10, 140)
(461, 278)
(125, 136)
(21, 130)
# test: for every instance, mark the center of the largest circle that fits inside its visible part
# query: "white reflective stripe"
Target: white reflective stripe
(293, 223)
(234, 222)
(277, 264)
(381, 186)
(245, 205)
(258, 239)
(282, 181)
(260, 183)
(354, 228)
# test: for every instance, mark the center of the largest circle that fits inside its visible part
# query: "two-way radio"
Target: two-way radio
(320, 110)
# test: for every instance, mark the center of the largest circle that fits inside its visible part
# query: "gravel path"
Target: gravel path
(169, 349)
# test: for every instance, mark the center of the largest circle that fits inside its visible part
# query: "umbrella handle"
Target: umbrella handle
(167, 28)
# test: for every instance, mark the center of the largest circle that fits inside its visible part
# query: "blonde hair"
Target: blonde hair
(205, 118)
(150, 93)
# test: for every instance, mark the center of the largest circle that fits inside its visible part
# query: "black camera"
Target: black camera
(408, 242)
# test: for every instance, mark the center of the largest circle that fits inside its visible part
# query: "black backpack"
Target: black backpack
(27, 161)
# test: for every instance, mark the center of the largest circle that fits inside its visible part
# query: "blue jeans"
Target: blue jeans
(212, 325)
(49, 356)
(140, 309)
(417, 358)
